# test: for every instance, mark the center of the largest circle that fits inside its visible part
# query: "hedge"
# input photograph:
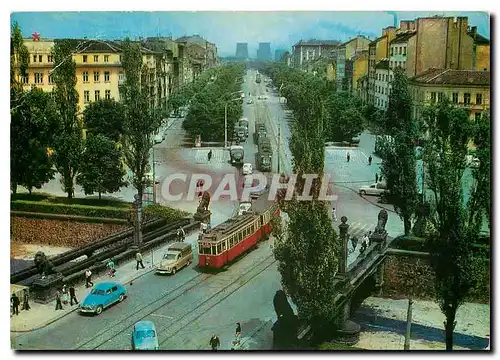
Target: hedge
(79, 210)
(48, 198)
(163, 212)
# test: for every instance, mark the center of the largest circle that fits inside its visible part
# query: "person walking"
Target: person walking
(348, 156)
(334, 214)
(88, 281)
(58, 301)
(72, 295)
(65, 295)
(376, 178)
(210, 155)
(214, 342)
(181, 235)
(370, 160)
(26, 305)
(111, 268)
(237, 336)
(15, 304)
(138, 259)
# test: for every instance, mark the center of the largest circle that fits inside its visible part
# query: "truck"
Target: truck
(260, 130)
(257, 78)
(241, 133)
(264, 154)
(236, 153)
(244, 122)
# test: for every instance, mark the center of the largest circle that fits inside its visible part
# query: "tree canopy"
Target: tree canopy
(106, 117)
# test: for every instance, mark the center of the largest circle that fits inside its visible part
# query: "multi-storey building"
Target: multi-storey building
(264, 52)
(242, 51)
(480, 50)
(278, 54)
(382, 84)
(469, 89)
(307, 50)
(359, 68)
(362, 89)
(356, 45)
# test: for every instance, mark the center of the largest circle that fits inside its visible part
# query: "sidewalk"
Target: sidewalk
(41, 315)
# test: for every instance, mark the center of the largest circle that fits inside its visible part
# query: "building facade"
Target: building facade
(264, 52)
(278, 54)
(356, 45)
(480, 50)
(383, 81)
(308, 50)
(469, 89)
(242, 51)
(360, 67)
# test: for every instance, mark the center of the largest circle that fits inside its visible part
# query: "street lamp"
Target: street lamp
(137, 222)
(225, 116)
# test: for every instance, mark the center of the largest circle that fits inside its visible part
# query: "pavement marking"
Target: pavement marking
(163, 316)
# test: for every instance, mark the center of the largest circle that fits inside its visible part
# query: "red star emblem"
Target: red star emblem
(36, 36)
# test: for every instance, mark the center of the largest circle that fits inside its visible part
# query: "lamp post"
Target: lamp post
(225, 117)
(137, 222)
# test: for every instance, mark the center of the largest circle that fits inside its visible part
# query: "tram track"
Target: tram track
(189, 314)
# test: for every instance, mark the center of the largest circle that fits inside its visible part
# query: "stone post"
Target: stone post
(343, 227)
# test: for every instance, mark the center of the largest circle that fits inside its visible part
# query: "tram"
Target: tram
(225, 242)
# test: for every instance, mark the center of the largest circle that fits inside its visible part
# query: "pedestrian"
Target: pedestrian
(88, 280)
(138, 259)
(65, 295)
(58, 301)
(369, 238)
(72, 295)
(181, 235)
(111, 268)
(365, 241)
(237, 335)
(376, 178)
(26, 305)
(334, 214)
(214, 342)
(348, 156)
(210, 155)
(15, 304)
(380, 178)
(370, 160)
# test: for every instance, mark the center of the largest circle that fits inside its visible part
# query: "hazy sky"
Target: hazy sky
(225, 29)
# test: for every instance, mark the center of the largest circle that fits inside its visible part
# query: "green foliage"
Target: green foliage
(164, 212)
(398, 156)
(19, 55)
(345, 119)
(141, 119)
(457, 224)
(102, 169)
(66, 209)
(33, 128)
(105, 117)
(69, 141)
(48, 198)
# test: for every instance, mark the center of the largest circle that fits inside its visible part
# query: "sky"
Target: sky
(282, 29)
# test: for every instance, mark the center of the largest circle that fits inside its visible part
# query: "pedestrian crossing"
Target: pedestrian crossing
(219, 156)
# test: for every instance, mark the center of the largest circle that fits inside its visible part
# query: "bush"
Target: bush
(48, 198)
(410, 242)
(163, 212)
(74, 209)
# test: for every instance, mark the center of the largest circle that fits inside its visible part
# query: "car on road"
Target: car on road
(158, 138)
(249, 101)
(373, 189)
(103, 295)
(262, 97)
(257, 188)
(247, 169)
(144, 336)
(178, 255)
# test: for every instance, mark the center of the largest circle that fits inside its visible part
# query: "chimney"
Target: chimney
(473, 31)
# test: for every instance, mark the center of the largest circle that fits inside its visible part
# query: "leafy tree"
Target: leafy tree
(398, 157)
(141, 120)
(69, 143)
(33, 128)
(345, 120)
(105, 117)
(102, 169)
(457, 223)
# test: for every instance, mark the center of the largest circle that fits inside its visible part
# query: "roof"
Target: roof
(377, 40)
(179, 245)
(478, 38)
(453, 77)
(355, 38)
(191, 39)
(314, 42)
(383, 64)
(144, 325)
(90, 45)
(106, 285)
(403, 37)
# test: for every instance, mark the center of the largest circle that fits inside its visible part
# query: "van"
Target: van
(178, 255)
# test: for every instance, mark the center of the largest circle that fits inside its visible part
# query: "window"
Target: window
(120, 77)
(433, 97)
(106, 76)
(107, 94)
(96, 76)
(51, 79)
(86, 97)
(454, 98)
(97, 95)
(404, 50)
(477, 116)
(25, 79)
(106, 58)
(390, 77)
(441, 97)
(392, 51)
(404, 64)
(84, 58)
(399, 50)
(120, 58)
(466, 98)
(390, 64)
(38, 78)
(85, 76)
(96, 58)
(34, 58)
(479, 99)
(50, 58)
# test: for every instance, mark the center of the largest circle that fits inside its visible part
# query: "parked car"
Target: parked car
(144, 336)
(102, 296)
(249, 101)
(262, 97)
(178, 255)
(373, 189)
(247, 169)
(158, 138)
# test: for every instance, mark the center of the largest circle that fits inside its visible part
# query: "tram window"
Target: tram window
(200, 249)
(224, 245)
(240, 236)
(219, 248)
(214, 249)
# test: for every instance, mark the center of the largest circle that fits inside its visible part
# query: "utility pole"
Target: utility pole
(154, 176)
(138, 221)
(408, 321)
(279, 145)
(225, 125)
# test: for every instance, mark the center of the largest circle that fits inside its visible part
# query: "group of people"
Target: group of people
(365, 242)
(215, 341)
(15, 302)
(66, 295)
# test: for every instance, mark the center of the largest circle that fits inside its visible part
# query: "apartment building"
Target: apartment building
(469, 89)
(356, 45)
(383, 80)
(308, 50)
(480, 50)
(355, 68)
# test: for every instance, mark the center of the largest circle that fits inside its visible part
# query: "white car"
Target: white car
(262, 97)
(247, 169)
(373, 189)
(158, 138)
(249, 101)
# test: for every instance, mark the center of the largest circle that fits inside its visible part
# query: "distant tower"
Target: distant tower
(242, 51)
(395, 15)
(264, 52)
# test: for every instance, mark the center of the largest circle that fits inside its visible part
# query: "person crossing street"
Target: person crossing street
(334, 214)
(370, 160)
(58, 301)
(181, 235)
(210, 155)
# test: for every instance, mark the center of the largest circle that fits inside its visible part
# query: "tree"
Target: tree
(33, 128)
(102, 170)
(69, 143)
(105, 117)
(398, 157)
(141, 120)
(456, 222)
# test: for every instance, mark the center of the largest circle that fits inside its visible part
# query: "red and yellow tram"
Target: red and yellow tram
(223, 243)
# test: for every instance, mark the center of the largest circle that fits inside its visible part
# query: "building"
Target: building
(469, 89)
(359, 68)
(378, 50)
(362, 89)
(264, 52)
(210, 59)
(307, 50)
(242, 51)
(382, 84)
(354, 46)
(480, 50)
(278, 54)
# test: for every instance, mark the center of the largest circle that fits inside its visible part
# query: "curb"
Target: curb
(73, 310)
